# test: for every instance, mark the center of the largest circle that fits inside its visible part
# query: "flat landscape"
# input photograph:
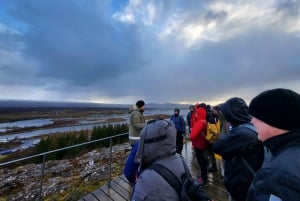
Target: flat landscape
(88, 166)
(16, 114)
(62, 117)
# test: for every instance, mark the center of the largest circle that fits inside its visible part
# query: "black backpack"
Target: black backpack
(188, 189)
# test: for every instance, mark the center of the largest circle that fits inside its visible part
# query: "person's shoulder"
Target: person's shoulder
(289, 156)
(146, 184)
(244, 132)
(135, 112)
(287, 165)
(150, 176)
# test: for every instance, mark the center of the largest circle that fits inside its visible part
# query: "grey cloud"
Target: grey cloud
(290, 8)
(9, 41)
(82, 52)
(212, 15)
(76, 41)
(249, 60)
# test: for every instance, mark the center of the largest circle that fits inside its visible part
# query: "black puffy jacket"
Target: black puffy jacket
(241, 142)
(279, 177)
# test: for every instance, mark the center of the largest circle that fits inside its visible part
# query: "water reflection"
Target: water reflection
(86, 124)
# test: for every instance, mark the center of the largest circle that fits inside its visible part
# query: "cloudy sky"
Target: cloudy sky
(118, 51)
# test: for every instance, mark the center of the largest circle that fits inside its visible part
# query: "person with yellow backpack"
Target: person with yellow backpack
(212, 135)
(222, 126)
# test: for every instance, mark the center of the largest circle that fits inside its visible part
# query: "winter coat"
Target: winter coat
(136, 124)
(131, 167)
(179, 123)
(189, 118)
(150, 185)
(279, 177)
(198, 133)
(240, 142)
(193, 119)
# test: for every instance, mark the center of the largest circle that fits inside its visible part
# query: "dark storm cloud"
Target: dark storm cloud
(77, 41)
(250, 60)
(85, 50)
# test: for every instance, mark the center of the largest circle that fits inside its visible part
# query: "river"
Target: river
(85, 124)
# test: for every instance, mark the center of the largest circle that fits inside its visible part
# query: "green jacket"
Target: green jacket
(136, 124)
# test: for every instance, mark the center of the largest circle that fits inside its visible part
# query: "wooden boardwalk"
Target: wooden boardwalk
(120, 188)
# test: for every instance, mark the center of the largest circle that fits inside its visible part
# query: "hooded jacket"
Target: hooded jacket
(136, 124)
(131, 167)
(279, 177)
(179, 123)
(198, 133)
(239, 142)
(157, 146)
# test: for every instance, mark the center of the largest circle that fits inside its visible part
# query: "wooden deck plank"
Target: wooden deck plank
(126, 186)
(121, 189)
(110, 192)
(90, 197)
(101, 195)
(123, 178)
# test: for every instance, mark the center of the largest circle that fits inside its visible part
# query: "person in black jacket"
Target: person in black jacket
(241, 143)
(189, 117)
(276, 114)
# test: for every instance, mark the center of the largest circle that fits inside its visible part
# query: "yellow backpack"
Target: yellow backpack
(213, 132)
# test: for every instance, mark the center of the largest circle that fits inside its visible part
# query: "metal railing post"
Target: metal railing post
(44, 155)
(42, 177)
(110, 161)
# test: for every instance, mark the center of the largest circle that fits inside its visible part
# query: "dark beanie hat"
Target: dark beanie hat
(279, 108)
(140, 103)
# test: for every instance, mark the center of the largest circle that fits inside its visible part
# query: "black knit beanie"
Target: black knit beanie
(279, 108)
(177, 110)
(140, 103)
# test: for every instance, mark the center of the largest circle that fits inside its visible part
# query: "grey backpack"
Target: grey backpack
(188, 189)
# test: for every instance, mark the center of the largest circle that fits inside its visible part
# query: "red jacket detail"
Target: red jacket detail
(199, 130)
(199, 114)
(193, 119)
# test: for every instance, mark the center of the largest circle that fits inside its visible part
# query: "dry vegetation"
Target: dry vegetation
(15, 114)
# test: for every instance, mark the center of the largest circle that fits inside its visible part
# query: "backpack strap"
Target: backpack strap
(186, 169)
(248, 166)
(252, 128)
(249, 126)
(168, 175)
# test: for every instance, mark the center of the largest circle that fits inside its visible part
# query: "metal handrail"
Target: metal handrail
(58, 150)
(44, 154)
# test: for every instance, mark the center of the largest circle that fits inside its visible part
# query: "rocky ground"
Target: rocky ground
(67, 179)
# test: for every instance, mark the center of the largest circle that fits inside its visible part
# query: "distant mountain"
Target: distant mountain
(50, 104)
(167, 105)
